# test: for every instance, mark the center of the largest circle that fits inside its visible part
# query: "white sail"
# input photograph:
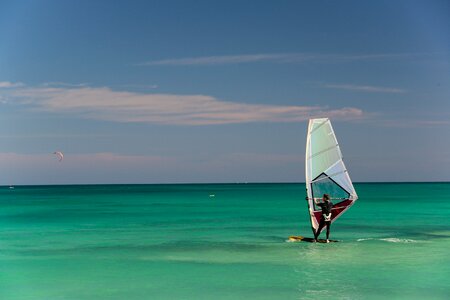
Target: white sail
(326, 172)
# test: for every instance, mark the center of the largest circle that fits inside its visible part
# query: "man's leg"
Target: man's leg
(328, 229)
(321, 224)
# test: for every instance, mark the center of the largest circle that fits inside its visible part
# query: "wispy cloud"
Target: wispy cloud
(140, 86)
(396, 121)
(87, 158)
(121, 106)
(44, 168)
(218, 60)
(274, 57)
(434, 122)
(64, 84)
(8, 84)
(365, 88)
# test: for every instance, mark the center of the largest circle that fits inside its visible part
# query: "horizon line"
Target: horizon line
(214, 183)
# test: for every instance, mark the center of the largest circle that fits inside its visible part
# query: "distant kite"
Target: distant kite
(59, 154)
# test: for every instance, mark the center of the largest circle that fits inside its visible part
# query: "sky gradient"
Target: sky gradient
(221, 91)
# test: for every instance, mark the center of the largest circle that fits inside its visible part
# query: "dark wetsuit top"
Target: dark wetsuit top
(326, 207)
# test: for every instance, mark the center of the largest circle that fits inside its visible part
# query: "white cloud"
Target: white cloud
(218, 60)
(416, 123)
(120, 106)
(140, 86)
(63, 84)
(365, 88)
(274, 57)
(8, 84)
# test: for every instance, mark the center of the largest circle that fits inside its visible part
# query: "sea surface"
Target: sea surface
(220, 241)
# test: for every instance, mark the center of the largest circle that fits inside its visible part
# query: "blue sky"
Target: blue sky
(220, 91)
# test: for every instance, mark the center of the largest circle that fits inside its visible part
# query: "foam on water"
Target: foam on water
(397, 240)
(390, 240)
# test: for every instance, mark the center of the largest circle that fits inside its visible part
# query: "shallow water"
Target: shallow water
(180, 242)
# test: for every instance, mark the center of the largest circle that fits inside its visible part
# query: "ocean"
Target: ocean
(221, 241)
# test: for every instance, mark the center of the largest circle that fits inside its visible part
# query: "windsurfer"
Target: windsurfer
(326, 206)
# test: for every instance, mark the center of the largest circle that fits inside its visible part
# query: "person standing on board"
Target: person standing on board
(326, 206)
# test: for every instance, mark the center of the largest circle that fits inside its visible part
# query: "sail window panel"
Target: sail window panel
(343, 180)
(338, 173)
(325, 185)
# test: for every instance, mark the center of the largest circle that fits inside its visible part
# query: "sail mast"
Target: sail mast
(309, 196)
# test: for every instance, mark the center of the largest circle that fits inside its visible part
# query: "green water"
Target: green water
(178, 242)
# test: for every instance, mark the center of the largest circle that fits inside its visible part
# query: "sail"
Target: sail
(326, 172)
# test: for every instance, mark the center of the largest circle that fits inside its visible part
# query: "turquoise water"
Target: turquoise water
(180, 242)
